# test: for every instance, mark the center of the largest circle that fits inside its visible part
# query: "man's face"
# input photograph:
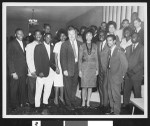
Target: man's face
(110, 42)
(103, 26)
(102, 36)
(137, 24)
(125, 24)
(72, 35)
(112, 29)
(48, 39)
(134, 38)
(38, 36)
(19, 35)
(47, 29)
(134, 16)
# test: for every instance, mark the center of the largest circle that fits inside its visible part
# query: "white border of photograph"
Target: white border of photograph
(4, 25)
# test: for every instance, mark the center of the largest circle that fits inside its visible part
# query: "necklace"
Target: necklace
(89, 50)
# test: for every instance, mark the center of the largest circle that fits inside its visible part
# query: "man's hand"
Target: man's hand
(15, 76)
(80, 74)
(41, 75)
(96, 72)
(57, 70)
(66, 73)
(34, 74)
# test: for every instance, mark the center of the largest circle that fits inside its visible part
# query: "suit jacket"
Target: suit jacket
(16, 59)
(141, 36)
(136, 61)
(118, 65)
(67, 59)
(102, 56)
(41, 59)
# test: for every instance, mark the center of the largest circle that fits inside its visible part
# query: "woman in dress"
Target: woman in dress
(88, 67)
(58, 81)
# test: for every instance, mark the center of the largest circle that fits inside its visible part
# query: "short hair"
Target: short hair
(112, 36)
(82, 27)
(103, 23)
(45, 25)
(125, 20)
(129, 29)
(18, 29)
(47, 34)
(70, 28)
(138, 19)
(37, 30)
(102, 31)
(112, 23)
(93, 26)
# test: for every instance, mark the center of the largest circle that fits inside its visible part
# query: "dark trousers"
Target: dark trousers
(103, 89)
(129, 84)
(18, 92)
(31, 89)
(70, 88)
(114, 89)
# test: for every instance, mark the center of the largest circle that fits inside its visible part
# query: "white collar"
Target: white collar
(18, 40)
(46, 44)
(138, 29)
(135, 44)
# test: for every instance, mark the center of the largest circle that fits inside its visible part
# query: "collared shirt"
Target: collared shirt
(138, 29)
(124, 43)
(76, 49)
(21, 44)
(135, 45)
(47, 46)
(112, 49)
(103, 44)
(30, 57)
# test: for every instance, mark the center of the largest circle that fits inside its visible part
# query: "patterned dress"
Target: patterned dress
(88, 65)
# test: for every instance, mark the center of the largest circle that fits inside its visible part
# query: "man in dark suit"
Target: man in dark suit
(139, 30)
(117, 67)
(102, 77)
(69, 64)
(17, 69)
(133, 78)
(45, 67)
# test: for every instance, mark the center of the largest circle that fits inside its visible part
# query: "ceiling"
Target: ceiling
(52, 13)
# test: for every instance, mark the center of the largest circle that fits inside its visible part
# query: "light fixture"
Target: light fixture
(33, 21)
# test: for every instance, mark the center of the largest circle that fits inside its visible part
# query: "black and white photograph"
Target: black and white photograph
(74, 60)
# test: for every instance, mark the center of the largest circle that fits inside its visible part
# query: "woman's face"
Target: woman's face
(62, 37)
(112, 29)
(89, 36)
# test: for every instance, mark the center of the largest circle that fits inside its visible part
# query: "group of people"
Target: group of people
(102, 58)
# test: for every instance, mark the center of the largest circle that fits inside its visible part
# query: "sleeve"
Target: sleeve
(37, 59)
(80, 57)
(63, 56)
(10, 56)
(96, 57)
(30, 58)
(124, 63)
(55, 48)
(140, 65)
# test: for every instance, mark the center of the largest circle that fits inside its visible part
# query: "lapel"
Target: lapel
(105, 46)
(45, 51)
(70, 47)
(137, 48)
(18, 46)
(114, 52)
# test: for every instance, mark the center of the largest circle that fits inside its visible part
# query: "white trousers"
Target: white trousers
(47, 83)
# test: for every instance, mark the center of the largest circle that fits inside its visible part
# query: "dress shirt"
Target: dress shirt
(76, 49)
(30, 57)
(21, 44)
(134, 46)
(47, 46)
(103, 44)
(112, 49)
(138, 29)
(124, 43)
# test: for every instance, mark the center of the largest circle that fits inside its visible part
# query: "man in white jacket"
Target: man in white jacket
(31, 81)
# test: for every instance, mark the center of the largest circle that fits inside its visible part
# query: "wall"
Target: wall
(92, 17)
(12, 24)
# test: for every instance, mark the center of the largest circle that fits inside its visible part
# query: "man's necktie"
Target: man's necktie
(73, 46)
(109, 56)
